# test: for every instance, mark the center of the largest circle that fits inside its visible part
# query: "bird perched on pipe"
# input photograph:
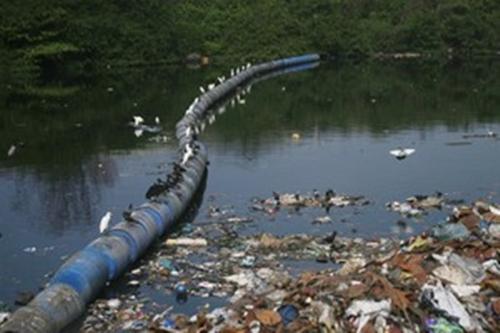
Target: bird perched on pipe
(188, 153)
(104, 223)
(127, 214)
(138, 120)
(177, 168)
(156, 189)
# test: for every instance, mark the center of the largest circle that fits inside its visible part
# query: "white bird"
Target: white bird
(211, 86)
(232, 72)
(11, 151)
(188, 152)
(138, 132)
(237, 70)
(138, 120)
(202, 90)
(241, 100)
(157, 120)
(222, 109)
(104, 224)
(492, 134)
(196, 130)
(249, 65)
(401, 153)
(188, 132)
(191, 107)
(221, 79)
(211, 119)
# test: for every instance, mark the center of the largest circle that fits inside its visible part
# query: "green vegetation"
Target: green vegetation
(97, 33)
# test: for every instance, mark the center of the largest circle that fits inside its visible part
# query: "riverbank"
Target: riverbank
(96, 34)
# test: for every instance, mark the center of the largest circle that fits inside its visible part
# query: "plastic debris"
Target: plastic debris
(443, 299)
(329, 199)
(135, 325)
(365, 310)
(495, 210)
(451, 274)
(432, 281)
(465, 270)
(166, 263)
(4, 316)
(133, 283)
(114, 303)
(254, 326)
(463, 291)
(494, 230)
(186, 242)
(417, 205)
(404, 208)
(248, 262)
(322, 220)
(288, 313)
(168, 324)
(450, 231)
(267, 317)
(352, 265)
(442, 325)
(492, 266)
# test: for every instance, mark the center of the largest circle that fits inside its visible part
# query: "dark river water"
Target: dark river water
(79, 159)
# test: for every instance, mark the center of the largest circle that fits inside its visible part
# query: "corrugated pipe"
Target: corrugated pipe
(81, 277)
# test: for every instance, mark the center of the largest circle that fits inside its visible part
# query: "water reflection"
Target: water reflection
(67, 129)
(65, 198)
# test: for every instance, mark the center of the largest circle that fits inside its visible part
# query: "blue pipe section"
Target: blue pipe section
(79, 280)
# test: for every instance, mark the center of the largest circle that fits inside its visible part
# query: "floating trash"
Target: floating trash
(444, 280)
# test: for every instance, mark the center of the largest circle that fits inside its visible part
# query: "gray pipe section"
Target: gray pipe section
(81, 277)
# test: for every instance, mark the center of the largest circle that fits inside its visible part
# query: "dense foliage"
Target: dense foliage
(94, 32)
